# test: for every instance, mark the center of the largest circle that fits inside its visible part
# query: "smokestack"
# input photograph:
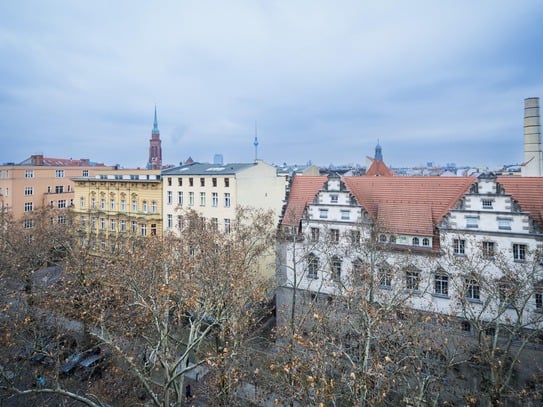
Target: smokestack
(533, 157)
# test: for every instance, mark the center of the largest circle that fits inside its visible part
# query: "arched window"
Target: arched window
(312, 266)
(415, 241)
(426, 242)
(336, 268)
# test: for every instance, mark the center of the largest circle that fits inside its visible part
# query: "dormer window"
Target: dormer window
(333, 198)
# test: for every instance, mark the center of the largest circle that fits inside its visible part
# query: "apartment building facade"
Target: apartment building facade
(215, 191)
(41, 181)
(116, 204)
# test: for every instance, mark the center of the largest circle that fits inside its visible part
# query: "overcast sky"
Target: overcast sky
(441, 81)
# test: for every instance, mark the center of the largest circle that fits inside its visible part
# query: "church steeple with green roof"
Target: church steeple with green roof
(155, 148)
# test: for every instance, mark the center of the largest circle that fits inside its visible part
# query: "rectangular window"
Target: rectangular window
(134, 205)
(539, 298)
(226, 182)
(59, 189)
(28, 206)
(93, 203)
(145, 207)
(519, 252)
(472, 221)
(29, 173)
(170, 221)
(169, 181)
(85, 173)
(315, 234)
(123, 205)
(227, 199)
(180, 182)
(227, 226)
(61, 203)
(214, 224)
(153, 229)
(191, 182)
(191, 198)
(214, 182)
(169, 198)
(333, 198)
(459, 246)
(143, 229)
(504, 224)
(334, 235)
(412, 280)
(29, 191)
(202, 182)
(103, 223)
(180, 198)
(323, 213)
(112, 204)
(153, 207)
(123, 225)
(134, 226)
(81, 202)
(59, 173)
(441, 284)
(180, 222)
(215, 199)
(202, 198)
(487, 203)
(385, 277)
(93, 222)
(112, 225)
(355, 237)
(488, 249)
(345, 214)
(83, 221)
(28, 223)
(473, 291)
(102, 203)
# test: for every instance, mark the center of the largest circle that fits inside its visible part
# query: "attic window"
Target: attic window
(487, 203)
(333, 198)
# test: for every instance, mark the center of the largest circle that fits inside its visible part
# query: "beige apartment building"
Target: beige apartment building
(118, 203)
(216, 190)
(41, 181)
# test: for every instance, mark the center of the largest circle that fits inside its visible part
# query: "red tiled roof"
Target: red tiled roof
(302, 191)
(408, 205)
(379, 168)
(528, 192)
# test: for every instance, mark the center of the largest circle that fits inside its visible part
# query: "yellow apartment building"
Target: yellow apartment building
(116, 204)
(41, 181)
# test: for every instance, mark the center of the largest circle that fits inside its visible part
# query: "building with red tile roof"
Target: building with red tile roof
(432, 233)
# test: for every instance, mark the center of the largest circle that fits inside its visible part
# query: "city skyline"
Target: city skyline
(432, 82)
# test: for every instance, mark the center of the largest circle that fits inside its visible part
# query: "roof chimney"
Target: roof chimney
(533, 160)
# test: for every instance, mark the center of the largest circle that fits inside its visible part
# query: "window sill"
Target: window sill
(474, 300)
(444, 296)
(385, 287)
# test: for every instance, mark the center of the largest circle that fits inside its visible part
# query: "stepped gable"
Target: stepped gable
(302, 192)
(408, 205)
(528, 192)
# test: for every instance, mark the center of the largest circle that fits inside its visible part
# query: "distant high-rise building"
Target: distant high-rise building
(155, 148)
(218, 159)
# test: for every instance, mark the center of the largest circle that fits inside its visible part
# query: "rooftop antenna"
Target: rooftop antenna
(255, 143)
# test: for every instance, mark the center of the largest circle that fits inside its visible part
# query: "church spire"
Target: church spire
(155, 125)
(378, 152)
(155, 148)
